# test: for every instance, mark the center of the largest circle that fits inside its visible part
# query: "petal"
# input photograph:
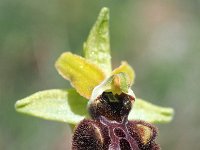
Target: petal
(82, 74)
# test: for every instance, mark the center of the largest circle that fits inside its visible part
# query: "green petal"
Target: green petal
(97, 46)
(82, 74)
(126, 68)
(146, 111)
(58, 105)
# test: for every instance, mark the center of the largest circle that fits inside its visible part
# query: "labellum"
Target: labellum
(109, 127)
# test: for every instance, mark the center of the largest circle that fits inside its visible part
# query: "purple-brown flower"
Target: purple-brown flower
(109, 127)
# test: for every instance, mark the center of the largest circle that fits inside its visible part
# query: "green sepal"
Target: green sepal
(69, 107)
(56, 104)
(97, 46)
(143, 110)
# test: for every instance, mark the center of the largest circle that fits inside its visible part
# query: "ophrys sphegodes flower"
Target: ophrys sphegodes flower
(109, 127)
(109, 91)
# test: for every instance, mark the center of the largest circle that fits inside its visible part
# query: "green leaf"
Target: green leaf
(126, 68)
(97, 46)
(146, 111)
(82, 74)
(58, 105)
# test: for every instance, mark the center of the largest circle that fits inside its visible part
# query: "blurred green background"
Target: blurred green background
(160, 39)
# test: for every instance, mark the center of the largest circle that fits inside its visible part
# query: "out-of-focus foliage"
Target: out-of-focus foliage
(160, 39)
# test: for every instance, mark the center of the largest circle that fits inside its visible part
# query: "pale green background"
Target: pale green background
(160, 39)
